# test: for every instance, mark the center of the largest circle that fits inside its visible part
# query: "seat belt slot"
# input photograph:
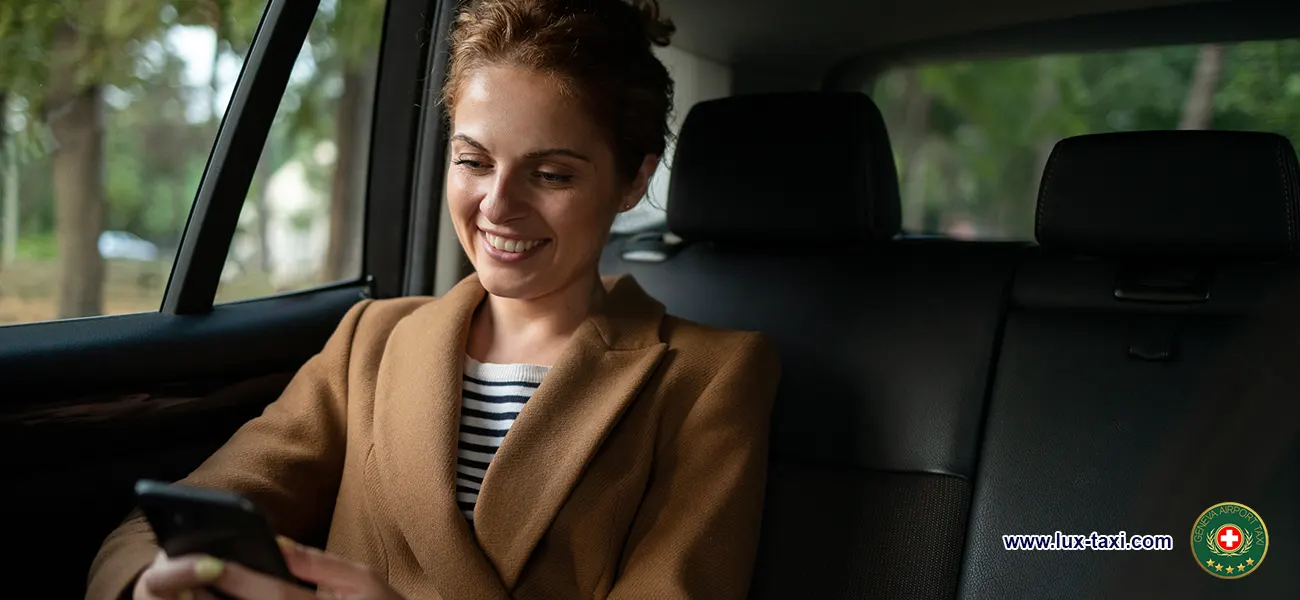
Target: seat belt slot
(1154, 338)
(1163, 284)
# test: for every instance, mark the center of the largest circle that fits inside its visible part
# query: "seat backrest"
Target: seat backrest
(787, 204)
(1137, 384)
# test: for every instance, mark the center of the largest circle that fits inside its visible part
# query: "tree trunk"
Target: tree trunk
(1198, 110)
(9, 208)
(916, 112)
(346, 191)
(263, 207)
(914, 187)
(912, 144)
(214, 78)
(75, 114)
(1017, 222)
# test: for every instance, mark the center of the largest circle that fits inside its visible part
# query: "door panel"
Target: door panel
(77, 472)
(47, 362)
(133, 397)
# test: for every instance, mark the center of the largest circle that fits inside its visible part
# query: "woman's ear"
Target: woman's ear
(637, 189)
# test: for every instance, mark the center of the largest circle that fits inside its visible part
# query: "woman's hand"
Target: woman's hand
(180, 578)
(185, 578)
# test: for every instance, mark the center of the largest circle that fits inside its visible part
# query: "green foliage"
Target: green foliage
(38, 247)
(25, 32)
(988, 124)
(155, 154)
(139, 55)
(1264, 91)
(110, 37)
(355, 26)
(343, 40)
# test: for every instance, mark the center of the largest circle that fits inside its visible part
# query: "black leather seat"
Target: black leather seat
(1147, 370)
(787, 204)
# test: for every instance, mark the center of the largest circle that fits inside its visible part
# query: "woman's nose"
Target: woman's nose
(503, 202)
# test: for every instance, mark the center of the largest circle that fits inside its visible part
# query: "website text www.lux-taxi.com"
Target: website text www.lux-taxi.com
(1058, 541)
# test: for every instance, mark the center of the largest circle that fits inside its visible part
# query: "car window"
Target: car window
(107, 118)
(971, 138)
(302, 223)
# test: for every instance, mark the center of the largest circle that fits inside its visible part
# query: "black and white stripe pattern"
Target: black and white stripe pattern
(492, 395)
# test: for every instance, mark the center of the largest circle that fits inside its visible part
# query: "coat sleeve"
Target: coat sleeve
(288, 461)
(696, 532)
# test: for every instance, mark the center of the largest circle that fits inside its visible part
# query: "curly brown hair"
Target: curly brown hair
(599, 50)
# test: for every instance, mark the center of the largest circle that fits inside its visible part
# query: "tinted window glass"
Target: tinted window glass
(971, 138)
(107, 118)
(302, 223)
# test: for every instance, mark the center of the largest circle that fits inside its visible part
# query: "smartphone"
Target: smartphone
(225, 525)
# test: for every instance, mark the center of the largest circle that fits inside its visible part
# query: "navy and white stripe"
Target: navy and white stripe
(492, 395)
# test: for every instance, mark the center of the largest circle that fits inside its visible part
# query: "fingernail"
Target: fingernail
(286, 543)
(208, 569)
(185, 595)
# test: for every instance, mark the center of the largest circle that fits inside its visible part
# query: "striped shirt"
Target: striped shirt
(492, 395)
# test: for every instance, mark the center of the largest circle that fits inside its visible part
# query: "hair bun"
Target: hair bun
(658, 31)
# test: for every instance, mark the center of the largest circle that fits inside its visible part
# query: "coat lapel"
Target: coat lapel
(417, 426)
(417, 420)
(601, 371)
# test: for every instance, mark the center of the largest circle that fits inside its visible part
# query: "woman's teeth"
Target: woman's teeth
(509, 245)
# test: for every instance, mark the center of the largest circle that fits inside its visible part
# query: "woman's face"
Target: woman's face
(531, 185)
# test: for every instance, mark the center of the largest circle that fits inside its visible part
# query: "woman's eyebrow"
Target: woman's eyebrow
(549, 152)
(535, 154)
(468, 140)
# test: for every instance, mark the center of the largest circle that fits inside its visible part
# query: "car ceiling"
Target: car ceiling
(801, 34)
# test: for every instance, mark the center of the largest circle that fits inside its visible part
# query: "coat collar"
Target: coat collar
(417, 421)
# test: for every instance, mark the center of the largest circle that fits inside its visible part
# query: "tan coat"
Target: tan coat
(636, 470)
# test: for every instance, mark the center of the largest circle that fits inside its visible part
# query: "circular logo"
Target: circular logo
(1229, 540)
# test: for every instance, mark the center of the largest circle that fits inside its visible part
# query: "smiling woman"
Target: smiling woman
(538, 431)
(548, 145)
(533, 189)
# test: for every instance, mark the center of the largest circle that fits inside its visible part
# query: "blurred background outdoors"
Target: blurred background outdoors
(971, 138)
(109, 109)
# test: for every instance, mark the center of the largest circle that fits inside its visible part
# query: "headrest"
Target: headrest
(1172, 194)
(784, 167)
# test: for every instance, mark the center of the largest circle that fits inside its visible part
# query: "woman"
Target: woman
(635, 458)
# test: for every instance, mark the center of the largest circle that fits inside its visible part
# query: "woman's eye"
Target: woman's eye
(554, 177)
(469, 163)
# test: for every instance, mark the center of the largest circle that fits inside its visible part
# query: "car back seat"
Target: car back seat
(787, 203)
(1147, 369)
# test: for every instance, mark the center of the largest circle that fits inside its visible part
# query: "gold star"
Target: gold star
(1241, 567)
(1209, 563)
(1218, 567)
(1250, 561)
(1229, 570)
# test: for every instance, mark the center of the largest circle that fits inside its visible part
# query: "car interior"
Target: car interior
(1122, 366)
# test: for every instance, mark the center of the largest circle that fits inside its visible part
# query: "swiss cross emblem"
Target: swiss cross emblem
(1229, 537)
(1229, 540)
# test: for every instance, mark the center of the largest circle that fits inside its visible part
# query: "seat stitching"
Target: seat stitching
(1288, 199)
(1044, 193)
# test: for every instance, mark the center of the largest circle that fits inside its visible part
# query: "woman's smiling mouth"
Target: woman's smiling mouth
(510, 249)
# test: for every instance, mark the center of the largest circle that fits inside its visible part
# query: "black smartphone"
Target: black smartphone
(225, 525)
